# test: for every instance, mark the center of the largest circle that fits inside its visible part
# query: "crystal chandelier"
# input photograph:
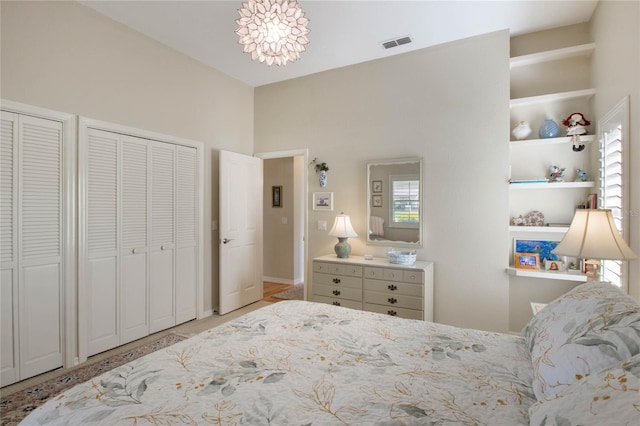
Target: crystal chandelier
(273, 31)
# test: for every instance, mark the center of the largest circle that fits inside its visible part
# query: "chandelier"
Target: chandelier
(273, 31)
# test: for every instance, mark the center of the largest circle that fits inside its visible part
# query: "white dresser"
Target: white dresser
(375, 285)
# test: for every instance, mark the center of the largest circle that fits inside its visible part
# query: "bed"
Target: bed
(304, 363)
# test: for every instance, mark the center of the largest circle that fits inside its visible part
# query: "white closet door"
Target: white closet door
(8, 251)
(134, 236)
(101, 207)
(187, 233)
(40, 241)
(161, 288)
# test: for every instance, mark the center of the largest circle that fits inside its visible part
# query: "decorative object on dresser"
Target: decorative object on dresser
(593, 236)
(342, 229)
(375, 285)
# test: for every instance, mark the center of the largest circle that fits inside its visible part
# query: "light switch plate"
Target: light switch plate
(322, 225)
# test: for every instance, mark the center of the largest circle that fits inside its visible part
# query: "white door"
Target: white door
(240, 230)
(161, 269)
(134, 306)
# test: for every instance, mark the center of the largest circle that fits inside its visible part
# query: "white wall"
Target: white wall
(616, 29)
(448, 104)
(66, 57)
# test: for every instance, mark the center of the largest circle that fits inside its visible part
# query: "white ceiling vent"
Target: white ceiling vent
(396, 42)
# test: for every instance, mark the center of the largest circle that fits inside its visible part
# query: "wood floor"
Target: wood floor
(269, 289)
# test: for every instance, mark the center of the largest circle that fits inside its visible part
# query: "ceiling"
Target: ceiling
(342, 32)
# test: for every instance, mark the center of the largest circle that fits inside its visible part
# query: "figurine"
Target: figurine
(582, 175)
(522, 130)
(534, 218)
(556, 174)
(576, 125)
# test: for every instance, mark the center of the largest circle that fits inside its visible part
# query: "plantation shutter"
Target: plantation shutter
(405, 207)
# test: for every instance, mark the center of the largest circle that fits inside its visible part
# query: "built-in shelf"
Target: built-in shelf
(550, 141)
(553, 55)
(550, 275)
(539, 229)
(552, 185)
(552, 97)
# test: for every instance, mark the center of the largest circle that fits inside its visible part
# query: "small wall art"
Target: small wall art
(541, 247)
(323, 201)
(376, 201)
(376, 186)
(276, 196)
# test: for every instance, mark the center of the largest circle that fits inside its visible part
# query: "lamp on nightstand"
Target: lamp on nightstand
(342, 229)
(593, 235)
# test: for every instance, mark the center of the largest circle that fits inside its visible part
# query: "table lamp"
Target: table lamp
(342, 229)
(593, 236)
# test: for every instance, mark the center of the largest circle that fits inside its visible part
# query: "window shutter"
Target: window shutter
(134, 194)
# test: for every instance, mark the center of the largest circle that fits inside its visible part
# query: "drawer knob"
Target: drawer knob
(392, 313)
(336, 292)
(336, 280)
(336, 303)
(392, 287)
(392, 300)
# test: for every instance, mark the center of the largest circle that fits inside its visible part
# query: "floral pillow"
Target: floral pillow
(609, 396)
(590, 328)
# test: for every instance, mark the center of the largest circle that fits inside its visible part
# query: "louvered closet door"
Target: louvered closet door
(40, 242)
(101, 209)
(161, 271)
(187, 233)
(134, 236)
(8, 251)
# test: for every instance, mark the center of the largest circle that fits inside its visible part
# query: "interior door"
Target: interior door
(240, 230)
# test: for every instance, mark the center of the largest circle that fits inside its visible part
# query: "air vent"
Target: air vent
(396, 42)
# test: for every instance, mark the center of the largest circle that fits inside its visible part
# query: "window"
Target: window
(405, 201)
(613, 188)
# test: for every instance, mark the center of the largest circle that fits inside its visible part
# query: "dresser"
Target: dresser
(375, 285)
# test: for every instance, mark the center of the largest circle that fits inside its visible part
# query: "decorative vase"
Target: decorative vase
(323, 178)
(549, 129)
(521, 131)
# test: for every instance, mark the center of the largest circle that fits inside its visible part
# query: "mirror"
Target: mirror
(394, 202)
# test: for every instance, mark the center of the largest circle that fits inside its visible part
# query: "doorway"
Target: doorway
(284, 217)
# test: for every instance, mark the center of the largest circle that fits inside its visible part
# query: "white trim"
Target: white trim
(278, 280)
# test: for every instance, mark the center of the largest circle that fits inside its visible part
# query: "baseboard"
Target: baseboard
(278, 280)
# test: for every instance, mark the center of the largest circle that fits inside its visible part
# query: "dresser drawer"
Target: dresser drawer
(338, 302)
(394, 311)
(337, 280)
(337, 292)
(391, 274)
(392, 288)
(338, 269)
(397, 300)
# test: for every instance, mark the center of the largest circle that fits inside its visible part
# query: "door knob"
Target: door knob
(134, 251)
(226, 240)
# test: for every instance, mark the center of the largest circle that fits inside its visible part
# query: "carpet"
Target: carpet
(294, 293)
(16, 406)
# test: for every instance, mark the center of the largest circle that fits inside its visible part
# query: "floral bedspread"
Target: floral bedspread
(302, 363)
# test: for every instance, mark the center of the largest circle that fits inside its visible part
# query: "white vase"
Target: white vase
(323, 178)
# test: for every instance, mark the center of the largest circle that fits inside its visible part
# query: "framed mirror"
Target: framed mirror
(394, 202)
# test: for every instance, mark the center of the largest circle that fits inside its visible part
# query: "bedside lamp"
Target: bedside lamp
(593, 235)
(342, 229)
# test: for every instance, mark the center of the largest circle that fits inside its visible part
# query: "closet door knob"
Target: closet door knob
(134, 251)
(162, 247)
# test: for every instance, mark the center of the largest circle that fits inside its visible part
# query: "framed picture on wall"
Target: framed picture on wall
(376, 186)
(323, 201)
(276, 196)
(376, 201)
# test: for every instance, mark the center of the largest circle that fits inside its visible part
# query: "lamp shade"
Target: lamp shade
(342, 227)
(593, 235)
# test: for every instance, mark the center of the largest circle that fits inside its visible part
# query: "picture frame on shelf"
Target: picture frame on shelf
(527, 261)
(376, 201)
(276, 196)
(376, 186)
(543, 247)
(554, 265)
(323, 201)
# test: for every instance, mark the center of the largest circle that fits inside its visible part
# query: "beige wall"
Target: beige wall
(615, 27)
(449, 105)
(66, 57)
(278, 236)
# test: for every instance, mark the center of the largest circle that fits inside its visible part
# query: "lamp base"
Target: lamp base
(343, 248)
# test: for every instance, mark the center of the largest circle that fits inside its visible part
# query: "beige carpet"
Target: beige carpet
(294, 293)
(15, 406)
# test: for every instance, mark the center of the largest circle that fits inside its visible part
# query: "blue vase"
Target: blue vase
(549, 129)
(323, 178)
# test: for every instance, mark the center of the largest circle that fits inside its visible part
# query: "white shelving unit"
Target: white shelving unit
(550, 275)
(552, 185)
